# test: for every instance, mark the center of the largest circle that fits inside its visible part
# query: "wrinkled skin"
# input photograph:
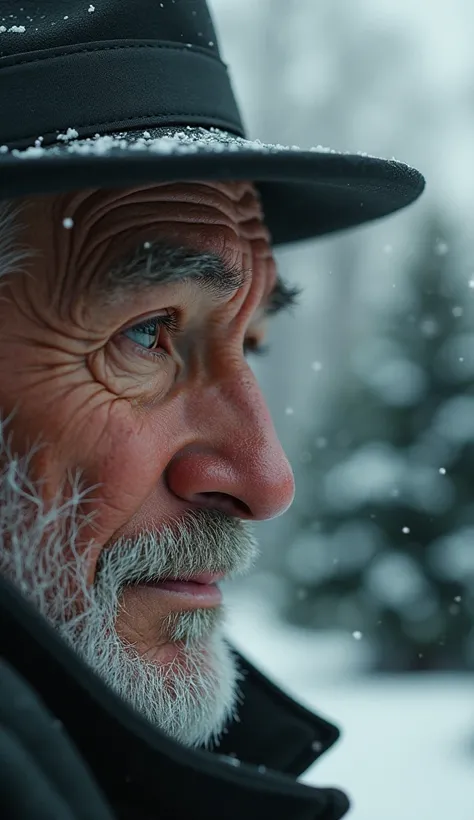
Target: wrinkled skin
(159, 437)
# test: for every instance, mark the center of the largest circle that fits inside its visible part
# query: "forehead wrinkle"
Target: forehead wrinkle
(237, 209)
(89, 208)
(168, 214)
(233, 205)
(89, 248)
(82, 207)
(232, 200)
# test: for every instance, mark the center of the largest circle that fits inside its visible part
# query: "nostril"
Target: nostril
(225, 503)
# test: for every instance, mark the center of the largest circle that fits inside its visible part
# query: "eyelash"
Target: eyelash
(170, 323)
(151, 327)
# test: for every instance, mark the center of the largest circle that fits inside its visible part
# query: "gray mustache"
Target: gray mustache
(202, 541)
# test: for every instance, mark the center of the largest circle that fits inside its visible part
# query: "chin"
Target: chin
(199, 687)
(186, 688)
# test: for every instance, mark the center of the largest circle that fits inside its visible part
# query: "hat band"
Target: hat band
(109, 86)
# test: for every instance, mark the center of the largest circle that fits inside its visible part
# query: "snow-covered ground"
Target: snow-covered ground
(407, 748)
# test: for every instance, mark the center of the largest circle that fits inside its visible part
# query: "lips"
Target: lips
(199, 591)
(206, 578)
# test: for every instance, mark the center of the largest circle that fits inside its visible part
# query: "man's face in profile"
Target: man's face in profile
(138, 448)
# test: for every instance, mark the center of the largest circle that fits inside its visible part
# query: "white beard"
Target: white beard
(190, 699)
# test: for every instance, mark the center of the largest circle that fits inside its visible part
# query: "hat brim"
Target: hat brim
(305, 193)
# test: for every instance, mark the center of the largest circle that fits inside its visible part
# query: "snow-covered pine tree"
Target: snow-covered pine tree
(384, 522)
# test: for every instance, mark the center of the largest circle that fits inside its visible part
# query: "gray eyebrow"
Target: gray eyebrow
(160, 263)
(151, 264)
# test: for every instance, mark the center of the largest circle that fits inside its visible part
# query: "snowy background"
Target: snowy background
(406, 750)
(362, 605)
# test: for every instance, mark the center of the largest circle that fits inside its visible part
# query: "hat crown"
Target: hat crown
(92, 90)
(109, 66)
(30, 25)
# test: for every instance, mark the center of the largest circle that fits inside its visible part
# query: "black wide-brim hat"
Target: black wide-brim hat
(115, 94)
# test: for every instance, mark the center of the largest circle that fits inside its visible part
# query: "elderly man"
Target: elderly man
(137, 227)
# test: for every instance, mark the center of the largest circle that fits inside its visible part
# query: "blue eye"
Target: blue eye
(147, 333)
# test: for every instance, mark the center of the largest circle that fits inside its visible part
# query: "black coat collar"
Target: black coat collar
(146, 776)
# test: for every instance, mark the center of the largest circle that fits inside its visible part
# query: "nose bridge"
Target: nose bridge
(236, 452)
(240, 423)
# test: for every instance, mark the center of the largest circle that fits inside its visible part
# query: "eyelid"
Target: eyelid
(159, 316)
(169, 321)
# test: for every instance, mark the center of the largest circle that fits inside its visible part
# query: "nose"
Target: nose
(236, 463)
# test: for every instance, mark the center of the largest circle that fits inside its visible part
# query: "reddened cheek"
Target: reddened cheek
(123, 468)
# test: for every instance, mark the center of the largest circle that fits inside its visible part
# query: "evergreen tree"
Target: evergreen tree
(384, 525)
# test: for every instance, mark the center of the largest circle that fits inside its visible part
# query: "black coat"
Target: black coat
(71, 750)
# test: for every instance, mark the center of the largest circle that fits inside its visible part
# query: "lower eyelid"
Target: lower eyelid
(129, 348)
(150, 353)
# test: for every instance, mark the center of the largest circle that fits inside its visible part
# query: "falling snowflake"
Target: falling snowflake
(406, 530)
(147, 245)
(91, 9)
(357, 635)
(442, 470)
(316, 366)
(457, 311)
(458, 599)
(68, 222)
(289, 411)
(429, 327)
(471, 283)
(441, 248)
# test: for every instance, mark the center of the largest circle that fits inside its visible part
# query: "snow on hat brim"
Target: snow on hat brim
(305, 193)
